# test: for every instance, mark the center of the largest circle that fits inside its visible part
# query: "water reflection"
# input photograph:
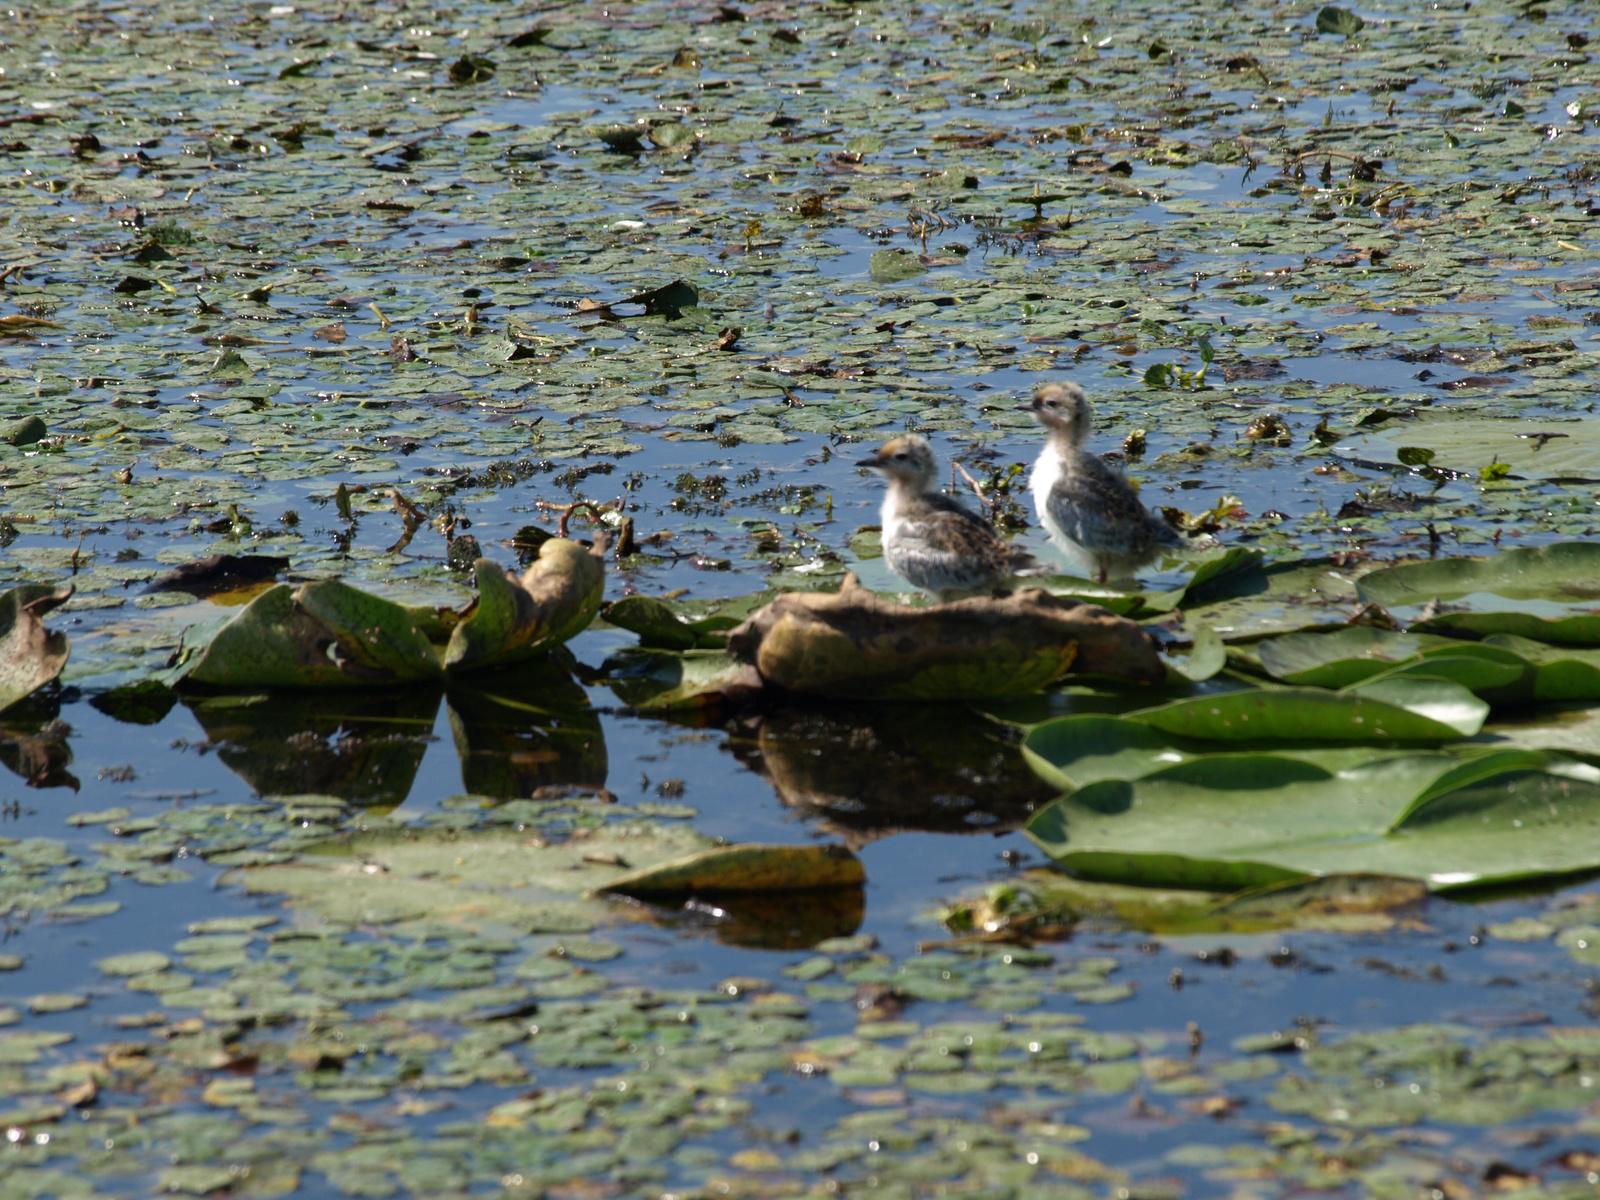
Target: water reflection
(519, 731)
(779, 921)
(361, 745)
(515, 732)
(33, 741)
(868, 771)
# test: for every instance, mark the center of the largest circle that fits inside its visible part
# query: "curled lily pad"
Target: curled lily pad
(746, 868)
(660, 681)
(30, 655)
(324, 634)
(515, 617)
(659, 627)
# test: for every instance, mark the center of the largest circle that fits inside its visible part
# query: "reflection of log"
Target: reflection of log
(868, 771)
(858, 644)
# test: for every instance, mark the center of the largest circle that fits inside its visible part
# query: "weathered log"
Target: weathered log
(860, 645)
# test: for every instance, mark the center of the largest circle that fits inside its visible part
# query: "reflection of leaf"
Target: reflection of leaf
(787, 920)
(869, 770)
(522, 730)
(1241, 820)
(666, 301)
(361, 746)
(1342, 21)
(30, 655)
(1563, 571)
(144, 703)
(471, 68)
(746, 868)
(38, 751)
(219, 573)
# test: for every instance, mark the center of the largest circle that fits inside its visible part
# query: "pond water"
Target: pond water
(273, 944)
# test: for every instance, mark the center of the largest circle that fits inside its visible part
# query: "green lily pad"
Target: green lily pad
(660, 627)
(1529, 449)
(1340, 657)
(515, 618)
(1564, 572)
(324, 634)
(895, 266)
(139, 963)
(747, 868)
(1397, 710)
(1582, 629)
(1236, 821)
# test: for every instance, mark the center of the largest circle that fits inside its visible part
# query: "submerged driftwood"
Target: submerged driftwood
(857, 644)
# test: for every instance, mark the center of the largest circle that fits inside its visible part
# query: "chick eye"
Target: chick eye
(901, 456)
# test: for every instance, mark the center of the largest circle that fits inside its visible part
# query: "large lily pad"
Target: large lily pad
(325, 634)
(1391, 711)
(1232, 821)
(1565, 572)
(1581, 629)
(1531, 449)
(485, 879)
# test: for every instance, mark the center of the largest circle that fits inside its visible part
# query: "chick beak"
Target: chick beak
(875, 461)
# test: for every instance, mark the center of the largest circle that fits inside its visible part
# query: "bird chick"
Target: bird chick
(930, 540)
(1090, 511)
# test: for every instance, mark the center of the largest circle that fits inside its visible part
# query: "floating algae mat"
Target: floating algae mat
(301, 300)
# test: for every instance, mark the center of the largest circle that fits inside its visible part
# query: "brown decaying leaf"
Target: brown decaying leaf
(858, 644)
(334, 333)
(30, 655)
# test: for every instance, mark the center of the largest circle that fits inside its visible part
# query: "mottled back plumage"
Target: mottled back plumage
(1091, 512)
(930, 540)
